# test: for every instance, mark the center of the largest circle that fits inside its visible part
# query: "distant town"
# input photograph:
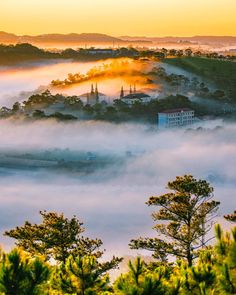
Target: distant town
(166, 88)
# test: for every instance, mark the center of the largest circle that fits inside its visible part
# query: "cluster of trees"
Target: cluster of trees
(54, 257)
(46, 105)
(119, 111)
(25, 52)
(76, 268)
(74, 108)
(188, 52)
(35, 107)
(116, 68)
(220, 72)
(183, 84)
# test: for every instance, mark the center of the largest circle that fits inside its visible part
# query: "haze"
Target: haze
(19, 81)
(105, 199)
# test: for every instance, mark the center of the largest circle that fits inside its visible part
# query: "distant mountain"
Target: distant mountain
(71, 38)
(169, 39)
(59, 38)
(8, 38)
(93, 38)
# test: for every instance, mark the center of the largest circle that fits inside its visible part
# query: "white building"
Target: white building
(100, 51)
(176, 118)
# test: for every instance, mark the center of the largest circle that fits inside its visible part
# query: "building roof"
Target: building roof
(170, 111)
(137, 95)
(88, 93)
(100, 49)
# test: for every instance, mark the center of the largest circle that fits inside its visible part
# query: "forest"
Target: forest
(36, 108)
(10, 54)
(188, 257)
(221, 72)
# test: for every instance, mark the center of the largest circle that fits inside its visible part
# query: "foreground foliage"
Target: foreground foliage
(186, 214)
(213, 273)
(54, 258)
(21, 273)
(56, 237)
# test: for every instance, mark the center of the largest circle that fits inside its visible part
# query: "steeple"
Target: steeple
(130, 90)
(134, 88)
(92, 89)
(96, 93)
(122, 92)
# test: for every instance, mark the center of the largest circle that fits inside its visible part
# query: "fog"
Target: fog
(20, 81)
(111, 200)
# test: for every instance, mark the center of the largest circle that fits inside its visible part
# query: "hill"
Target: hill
(8, 38)
(221, 72)
(58, 38)
(95, 38)
(229, 40)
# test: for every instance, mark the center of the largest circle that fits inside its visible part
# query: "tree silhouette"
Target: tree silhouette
(56, 237)
(186, 213)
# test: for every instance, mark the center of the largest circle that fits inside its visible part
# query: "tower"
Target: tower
(122, 92)
(93, 96)
(134, 88)
(96, 93)
(92, 89)
(130, 90)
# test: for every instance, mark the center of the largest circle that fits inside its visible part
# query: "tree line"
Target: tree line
(54, 256)
(25, 51)
(75, 109)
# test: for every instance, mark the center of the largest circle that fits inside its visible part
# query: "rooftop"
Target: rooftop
(100, 49)
(170, 111)
(136, 95)
(89, 93)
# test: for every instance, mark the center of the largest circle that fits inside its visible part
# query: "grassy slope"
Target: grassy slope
(221, 72)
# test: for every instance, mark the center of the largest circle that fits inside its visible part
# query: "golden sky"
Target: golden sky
(119, 17)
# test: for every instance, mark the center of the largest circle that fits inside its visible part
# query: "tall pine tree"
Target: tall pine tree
(184, 218)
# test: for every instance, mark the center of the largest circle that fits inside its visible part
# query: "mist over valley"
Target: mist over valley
(98, 171)
(102, 162)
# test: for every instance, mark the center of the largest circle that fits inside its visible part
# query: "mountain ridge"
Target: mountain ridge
(62, 38)
(104, 38)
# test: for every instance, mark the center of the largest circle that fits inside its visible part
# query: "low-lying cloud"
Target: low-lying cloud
(111, 200)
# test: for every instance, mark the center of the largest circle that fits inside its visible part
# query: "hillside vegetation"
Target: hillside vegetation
(184, 219)
(222, 72)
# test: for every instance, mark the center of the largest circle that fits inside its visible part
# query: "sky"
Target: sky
(118, 18)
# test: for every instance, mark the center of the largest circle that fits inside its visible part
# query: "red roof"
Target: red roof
(176, 111)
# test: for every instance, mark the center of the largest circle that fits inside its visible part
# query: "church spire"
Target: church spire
(92, 89)
(134, 88)
(96, 93)
(122, 92)
(130, 90)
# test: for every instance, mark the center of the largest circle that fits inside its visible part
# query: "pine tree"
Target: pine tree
(225, 254)
(21, 274)
(56, 237)
(231, 217)
(187, 214)
(84, 275)
(141, 281)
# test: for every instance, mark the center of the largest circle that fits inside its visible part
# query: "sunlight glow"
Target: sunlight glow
(139, 17)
